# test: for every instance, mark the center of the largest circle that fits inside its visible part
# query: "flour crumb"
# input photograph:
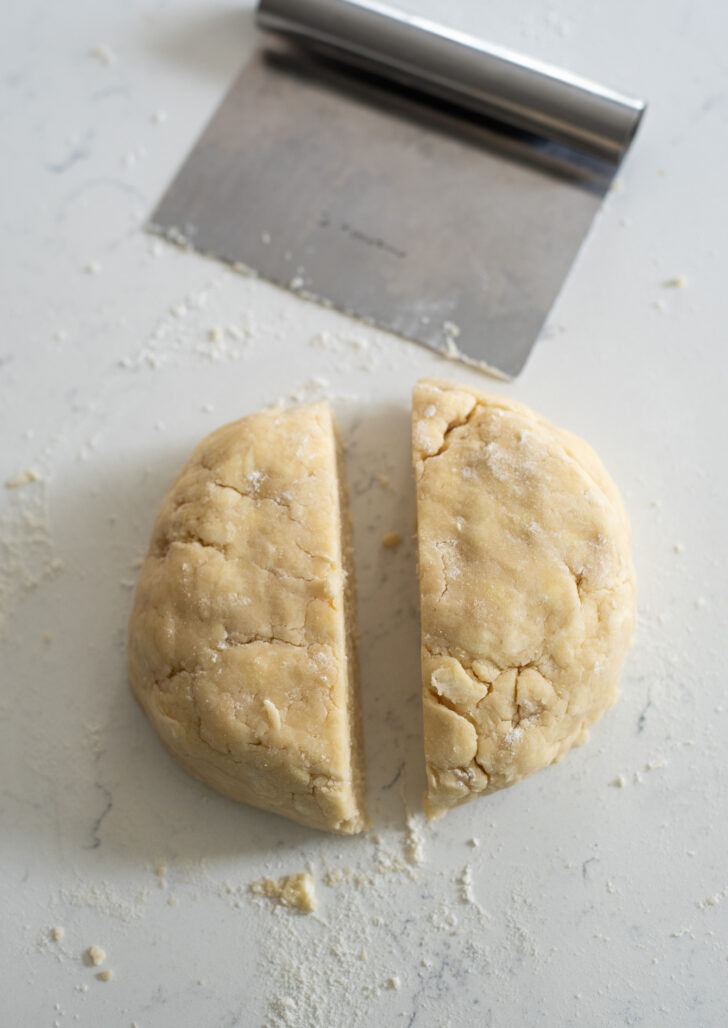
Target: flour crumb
(451, 329)
(159, 117)
(678, 282)
(450, 349)
(678, 548)
(414, 844)
(283, 1006)
(92, 268)
(103, 53)
(391, 540)
(58, 933)
(465, 886)
(295, 891)
(655, 765)
(474, 842)
(95, 955)
(106, 975)
(394, 982)
(713, 901)
(619, 782)
(22, 478)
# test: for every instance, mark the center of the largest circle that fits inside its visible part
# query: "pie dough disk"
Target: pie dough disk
(241, 641)
(527, 590)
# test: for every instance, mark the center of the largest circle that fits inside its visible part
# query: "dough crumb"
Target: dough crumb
(105, 976)
(57, 933)
(394, 982)
(474, 842)
(713, 901)
(95, 955)
(92, 268)
(22, 478)
(391, 540)
(295, 891)
(619, 782)
(678, 282)
(103, 53)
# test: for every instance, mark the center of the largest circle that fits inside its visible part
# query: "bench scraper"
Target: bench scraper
(412, 176)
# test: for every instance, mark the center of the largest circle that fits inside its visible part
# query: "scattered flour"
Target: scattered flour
(27, 551)
(105, 900)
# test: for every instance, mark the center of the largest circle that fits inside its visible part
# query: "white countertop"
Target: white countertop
(583, 902)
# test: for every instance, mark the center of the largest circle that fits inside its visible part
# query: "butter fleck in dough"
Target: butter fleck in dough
(241, 641)
(527, 590)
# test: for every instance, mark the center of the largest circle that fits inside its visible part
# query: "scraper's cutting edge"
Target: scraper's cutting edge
(412, 177)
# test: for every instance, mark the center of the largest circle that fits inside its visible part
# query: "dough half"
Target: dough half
(527, 590)
(241, 640)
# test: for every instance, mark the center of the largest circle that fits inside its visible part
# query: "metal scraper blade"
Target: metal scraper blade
(402, 210)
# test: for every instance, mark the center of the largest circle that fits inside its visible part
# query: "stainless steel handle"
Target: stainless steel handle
(490, 80)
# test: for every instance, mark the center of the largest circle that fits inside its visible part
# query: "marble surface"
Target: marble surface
(595, 893)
